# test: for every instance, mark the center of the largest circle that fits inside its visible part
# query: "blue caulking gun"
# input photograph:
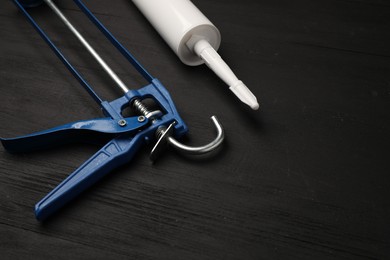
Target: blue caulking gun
(124, 135)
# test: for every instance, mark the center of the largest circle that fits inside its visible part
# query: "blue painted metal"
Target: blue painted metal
(81, 131)
(54, 48)
(31, 3)
(122, 142)
(115, 42)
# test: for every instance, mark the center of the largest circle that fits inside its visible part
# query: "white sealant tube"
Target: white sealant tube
(194, 39)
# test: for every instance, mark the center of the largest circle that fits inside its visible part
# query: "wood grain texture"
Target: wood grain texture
(307, 177)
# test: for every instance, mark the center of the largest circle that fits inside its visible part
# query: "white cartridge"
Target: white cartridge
(177, 21)
(193, 38)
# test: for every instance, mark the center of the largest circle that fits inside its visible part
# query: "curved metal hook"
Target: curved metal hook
(165, 138)
(198, 150)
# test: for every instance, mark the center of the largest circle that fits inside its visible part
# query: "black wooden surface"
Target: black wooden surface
(306, 177)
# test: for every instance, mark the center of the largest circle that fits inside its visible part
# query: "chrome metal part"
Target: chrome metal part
(123, 122)
(141, 119)
(141, 108)
(97, 57)
(144, 110)
(198, 150)
(164, 136)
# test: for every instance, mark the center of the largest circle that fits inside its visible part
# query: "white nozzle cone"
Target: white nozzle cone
(212, 59)
(245, 95)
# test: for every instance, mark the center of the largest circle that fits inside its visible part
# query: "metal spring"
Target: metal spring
(137, 104)
(160, 131)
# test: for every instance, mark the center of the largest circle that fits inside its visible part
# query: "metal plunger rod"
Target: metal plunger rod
(99, 59)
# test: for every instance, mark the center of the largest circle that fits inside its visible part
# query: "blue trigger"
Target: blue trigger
(112, 155)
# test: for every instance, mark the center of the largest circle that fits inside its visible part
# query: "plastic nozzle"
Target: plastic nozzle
(212, 59)
(244, 94)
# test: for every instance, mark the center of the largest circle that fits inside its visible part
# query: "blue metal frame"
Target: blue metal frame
(124, 139)
(114, 41)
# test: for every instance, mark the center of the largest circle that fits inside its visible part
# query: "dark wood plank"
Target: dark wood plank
(306, 177)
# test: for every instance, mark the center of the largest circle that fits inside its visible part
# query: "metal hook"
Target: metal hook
(165, 137)
(200, 149)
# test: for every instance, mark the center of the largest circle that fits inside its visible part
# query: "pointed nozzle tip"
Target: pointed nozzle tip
(255, 106)
(244, 94)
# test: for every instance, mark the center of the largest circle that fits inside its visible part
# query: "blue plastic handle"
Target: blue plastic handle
(89, 131)
(117, 152)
